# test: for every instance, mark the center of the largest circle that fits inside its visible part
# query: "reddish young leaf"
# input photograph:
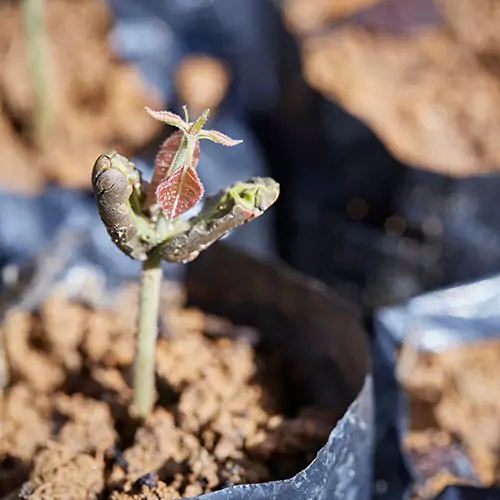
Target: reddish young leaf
(180, 192)
(168, 117)
(163, 161)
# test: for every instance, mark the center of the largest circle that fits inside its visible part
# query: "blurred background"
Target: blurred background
(379, 118)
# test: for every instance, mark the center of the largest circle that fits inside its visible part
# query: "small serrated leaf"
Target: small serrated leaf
(194, 128)
(180, 192)
(218, 137)
(169, 118)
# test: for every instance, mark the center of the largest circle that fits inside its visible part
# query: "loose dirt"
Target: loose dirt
(218, 421)
(94, 102)
(454, 432)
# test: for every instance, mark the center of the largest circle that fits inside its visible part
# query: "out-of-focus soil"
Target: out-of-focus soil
(424, 75)
(94, 102)
(202, 82)
(454, 432)
(65, 420)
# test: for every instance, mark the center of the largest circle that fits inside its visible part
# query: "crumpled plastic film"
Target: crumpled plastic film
(444, 319)
(318, 333)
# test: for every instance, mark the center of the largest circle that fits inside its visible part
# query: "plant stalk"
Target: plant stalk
(35, 41)
(144, 369)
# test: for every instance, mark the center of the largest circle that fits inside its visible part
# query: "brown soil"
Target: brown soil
(422, 74)
(94, 101)
(306, 17)
(201, 82)
(66, 429)
(454, 433)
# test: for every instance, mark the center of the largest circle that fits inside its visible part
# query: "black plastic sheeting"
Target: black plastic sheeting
(320, 337)
(442, 319)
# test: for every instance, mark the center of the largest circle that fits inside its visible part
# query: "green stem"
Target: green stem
(144, 370)
(190, 149)
(35, 38)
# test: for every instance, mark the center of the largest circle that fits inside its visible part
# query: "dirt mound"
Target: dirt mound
(93, 101)
(66, 428)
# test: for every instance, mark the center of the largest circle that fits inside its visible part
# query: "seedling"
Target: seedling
(144, 220)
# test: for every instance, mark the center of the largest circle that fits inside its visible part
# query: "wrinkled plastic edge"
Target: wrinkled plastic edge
(438, 320)
(348, 453)
(445, 318)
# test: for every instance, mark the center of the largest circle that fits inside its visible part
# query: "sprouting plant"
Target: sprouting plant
(144, 221)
